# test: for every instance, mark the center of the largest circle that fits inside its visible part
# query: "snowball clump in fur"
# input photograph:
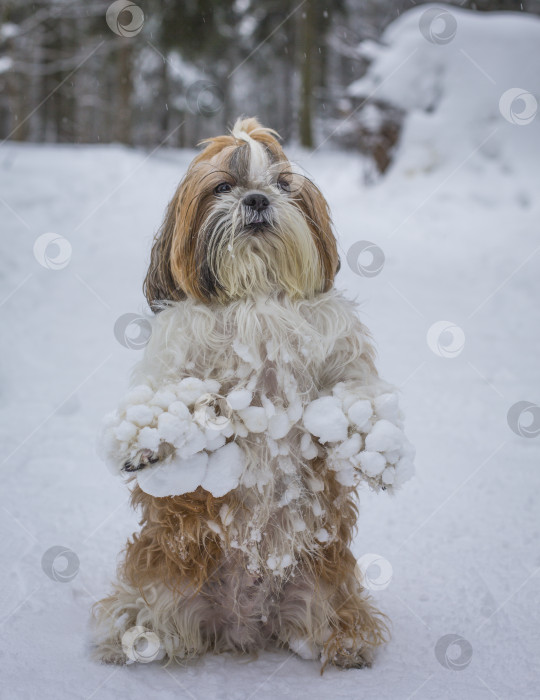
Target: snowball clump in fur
(181, 417)
(363, 437)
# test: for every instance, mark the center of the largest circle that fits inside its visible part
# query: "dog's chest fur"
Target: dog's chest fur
(286, 353)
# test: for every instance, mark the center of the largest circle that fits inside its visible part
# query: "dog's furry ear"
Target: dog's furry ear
(159, 285)
(317, 214)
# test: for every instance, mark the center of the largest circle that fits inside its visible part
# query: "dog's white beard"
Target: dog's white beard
(282, 257)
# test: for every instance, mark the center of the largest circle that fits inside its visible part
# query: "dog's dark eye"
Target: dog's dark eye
(283, 185)
(222, 188)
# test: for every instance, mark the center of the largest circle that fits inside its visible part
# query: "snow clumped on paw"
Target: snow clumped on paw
(363, 436)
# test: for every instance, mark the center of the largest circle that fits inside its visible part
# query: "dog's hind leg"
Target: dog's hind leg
(325, 614)
(165, 567)
(132, 625)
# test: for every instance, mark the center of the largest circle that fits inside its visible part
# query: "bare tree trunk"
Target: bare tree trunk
(125, 87)
(63, 100)
(165, 97)
(15, 91)
(306, 75)
(286, 121)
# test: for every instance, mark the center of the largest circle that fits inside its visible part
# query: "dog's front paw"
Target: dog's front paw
(141, 460)
(146, 457)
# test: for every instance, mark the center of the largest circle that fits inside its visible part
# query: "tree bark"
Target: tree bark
(125, 88)
(306, 74)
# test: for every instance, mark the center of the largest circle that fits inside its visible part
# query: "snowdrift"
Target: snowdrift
(467, 81)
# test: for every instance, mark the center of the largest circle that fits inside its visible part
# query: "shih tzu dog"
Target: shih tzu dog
(253, 416)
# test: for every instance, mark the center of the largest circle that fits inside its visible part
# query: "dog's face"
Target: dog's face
(242, 223)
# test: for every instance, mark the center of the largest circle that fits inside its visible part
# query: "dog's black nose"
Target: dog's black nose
(256, 200)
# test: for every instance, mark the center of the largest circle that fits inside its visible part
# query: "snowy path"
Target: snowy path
(462, 538)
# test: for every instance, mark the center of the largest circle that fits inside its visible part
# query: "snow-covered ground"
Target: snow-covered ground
(457, 221)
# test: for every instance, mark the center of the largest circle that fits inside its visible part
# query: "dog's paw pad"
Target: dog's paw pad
(353, 659)
(141, 460)
(114, 658)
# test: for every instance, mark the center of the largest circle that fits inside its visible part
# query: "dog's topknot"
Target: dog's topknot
(246, 128)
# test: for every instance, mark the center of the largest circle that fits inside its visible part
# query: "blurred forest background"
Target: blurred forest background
(173, 71)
